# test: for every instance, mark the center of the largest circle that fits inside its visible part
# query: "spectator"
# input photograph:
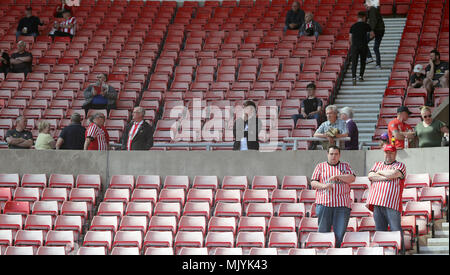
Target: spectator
(310, 27)
(332, 128)
(100, 95)
(246, 129)
(384, 139)
(417, 78)
(28, 25)
(138, 134)
(359, 48)
(21, 61)
(346, 114)
(4, 62)
(437, 74)
(430, 131)
(332, 181)
(61, 8)
(67, 27)
(97, 137)
(398, 130)
(311, 107)
(44, 140)
(385, 193)
(376, 23)
(19, 138)
(72, 137)
(294, 17)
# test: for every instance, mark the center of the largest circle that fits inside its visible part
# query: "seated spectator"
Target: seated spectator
(310, 27)
(398, 130)
(346, 115)
(44, 140)
(21, 61)
(72, 136)
(61, 8)
(430, 131)
(332, 128)
(437, 74)
(294, 17)
(311, 107)
(417, 78)
(19, 138)
(67, 27)
(246, 129)
(28, 25)
(4, 62)
(96, 137)
(138, 134)
(100, 95)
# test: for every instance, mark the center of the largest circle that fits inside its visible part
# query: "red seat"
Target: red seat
(9, 180)
(387, 239)
(440, 179)
(317, 239)
(228, 209)
(250, 239)
(417, 180)
(122, 181)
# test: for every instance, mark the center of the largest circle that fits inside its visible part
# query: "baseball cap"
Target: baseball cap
(403, 109)
(389, 148)
(384, 136)
(418, 68)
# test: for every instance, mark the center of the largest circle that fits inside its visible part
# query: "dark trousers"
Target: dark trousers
(376, 47)
(89, 106)
(315, 116)
(359, 52)
(60, 33)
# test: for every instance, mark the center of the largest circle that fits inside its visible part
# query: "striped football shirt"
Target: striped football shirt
(99, 137)
(339, 196)
(387, 193)
(71, 20)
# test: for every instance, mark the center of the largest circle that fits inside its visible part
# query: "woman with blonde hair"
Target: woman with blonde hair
(430, 131)
(44, 140)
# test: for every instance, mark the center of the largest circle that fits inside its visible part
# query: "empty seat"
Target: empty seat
(176, 182)
(98, 238)
(370, 251)
(219, 239)
(224, 209)
(318, 239)
(417, 180)
(172, 195)
(283, 240)
(163, 223)
(128, 238)
(103, 223)
(144, 195)
(19, 250)
(86, 250)
(282, 224)
(158, 239)
(50, 250)
(148, 181)
(11, 222)
(9, 180)
(250, 239)
(228, 251)
(159, 251)
(356, 239)
(139, 209)
(387, 239)
(39, 222)
(125, 251)
(61, 180)
(252, 224)
(88, 181)
(302, 251)
(60, 238)
(117, 195)
(34, 180)
(235, 182)
(122, 181)
(33, 238)
(186, 238)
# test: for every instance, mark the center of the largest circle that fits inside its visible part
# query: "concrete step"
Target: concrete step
(360, 86)
(370, 98)
(356, 102)
(437, 241)
(445, 226)
(441, 233)
(361, 92)
(434, 250)
(365, 82)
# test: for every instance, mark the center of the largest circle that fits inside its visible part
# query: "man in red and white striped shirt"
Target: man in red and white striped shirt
(385, 193)
(332, 181)
(97, 137)
(66, 27)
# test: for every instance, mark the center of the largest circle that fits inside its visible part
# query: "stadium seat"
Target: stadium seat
(356, 239)
(60, 238)
(224, 209)
(128, 239)
(9, 180)
(317, 239)
(387, 239)
(148, 182)
(61, 180)
(98, 238)
(19, 250)
(370, 251)
(417, 180)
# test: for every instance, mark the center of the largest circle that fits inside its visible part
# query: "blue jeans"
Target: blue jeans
(296, 117)
(376, 47)
(337, 217)
(19, 33)
(385, 217)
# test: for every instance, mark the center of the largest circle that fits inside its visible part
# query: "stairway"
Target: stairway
(439, 244)
(365, 98)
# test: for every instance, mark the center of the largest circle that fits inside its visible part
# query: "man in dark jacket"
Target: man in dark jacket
(28, 25)
(310, 27)
(138, 135)
(294, 17)
(246, 129)
(376, 23)
(100, 95)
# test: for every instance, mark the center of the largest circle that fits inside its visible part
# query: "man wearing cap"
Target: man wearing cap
(398, 130)
(385, 193)
(416, 80)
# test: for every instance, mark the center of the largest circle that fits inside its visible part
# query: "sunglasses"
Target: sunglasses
(427, 116)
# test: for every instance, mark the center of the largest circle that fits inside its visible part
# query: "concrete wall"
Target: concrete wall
(224, 163)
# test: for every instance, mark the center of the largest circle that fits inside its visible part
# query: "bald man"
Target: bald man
(138, 135)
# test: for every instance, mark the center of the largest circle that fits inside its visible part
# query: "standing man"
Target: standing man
(21, 61)
(359, 48)
(28, 25)
(294, 17)
(311, 107)
(19, 138)
(138, 134)
(377, 26)
(398, 130)
(332, 181)
(385, 193)
(97, 137)
(72, 137)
